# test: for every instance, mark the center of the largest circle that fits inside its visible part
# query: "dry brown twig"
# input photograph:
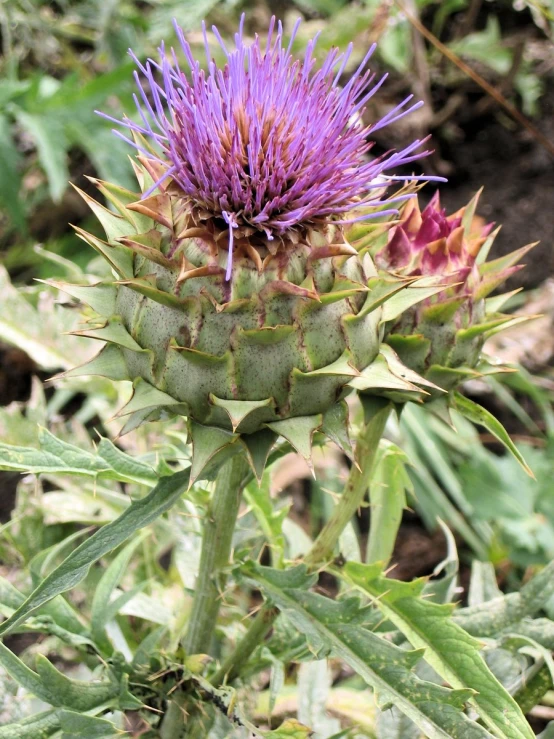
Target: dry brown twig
(486, 86)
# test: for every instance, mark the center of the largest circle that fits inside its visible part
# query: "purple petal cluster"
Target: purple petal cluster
(266, 142)
(430, 242)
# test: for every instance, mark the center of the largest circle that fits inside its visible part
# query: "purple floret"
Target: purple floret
(267, 142)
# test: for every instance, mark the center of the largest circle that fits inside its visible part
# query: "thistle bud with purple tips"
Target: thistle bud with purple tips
(442, 336)
(238, 301)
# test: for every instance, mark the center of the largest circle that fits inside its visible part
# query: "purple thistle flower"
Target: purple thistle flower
(267, 144)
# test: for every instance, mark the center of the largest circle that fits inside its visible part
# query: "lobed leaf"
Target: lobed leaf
(338, 627)
(76, 566)
(59, 457)
(451, 651)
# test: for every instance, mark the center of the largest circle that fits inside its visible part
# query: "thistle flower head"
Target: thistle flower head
(265, 145)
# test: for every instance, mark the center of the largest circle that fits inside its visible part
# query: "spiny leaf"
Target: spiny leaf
(413, 294)
(258, 446)
(298, 432)
(452, 652)
(338, 627)
(59, 457)
(335, 426)
(52, 687)
(100, 296)
(207, 443)
(76, 566)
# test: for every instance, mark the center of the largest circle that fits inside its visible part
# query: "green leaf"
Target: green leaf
(269, 517)
(77, 726)
(76, 566)
(49, 138)
(338, 627)
(485, 46)
(429, 626)
(313, 686)
(489, 618)
(387, 492)
(55, 617)
(10, 177)
(39, 331)
(289, 729)
(414, 293)
(77, 695)
(100, 610)
(207, 443)
(482, 586)
(26, 677)
(477, 414)
(39, 726)
(52, 687)
(59, 457)
(298, 432)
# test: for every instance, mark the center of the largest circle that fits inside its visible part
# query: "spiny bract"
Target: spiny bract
(239, 303)
(442, 336)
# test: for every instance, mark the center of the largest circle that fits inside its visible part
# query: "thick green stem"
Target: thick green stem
(323, 547)
(354, 492)
(258, 630)
(219, 527)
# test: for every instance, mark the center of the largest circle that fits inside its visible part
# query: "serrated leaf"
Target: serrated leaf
(338, 627)
(76, 566)
(76, 695)
(58, 610)
(56, 456)
(477, 414)
(430, 626)
(52, 687)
